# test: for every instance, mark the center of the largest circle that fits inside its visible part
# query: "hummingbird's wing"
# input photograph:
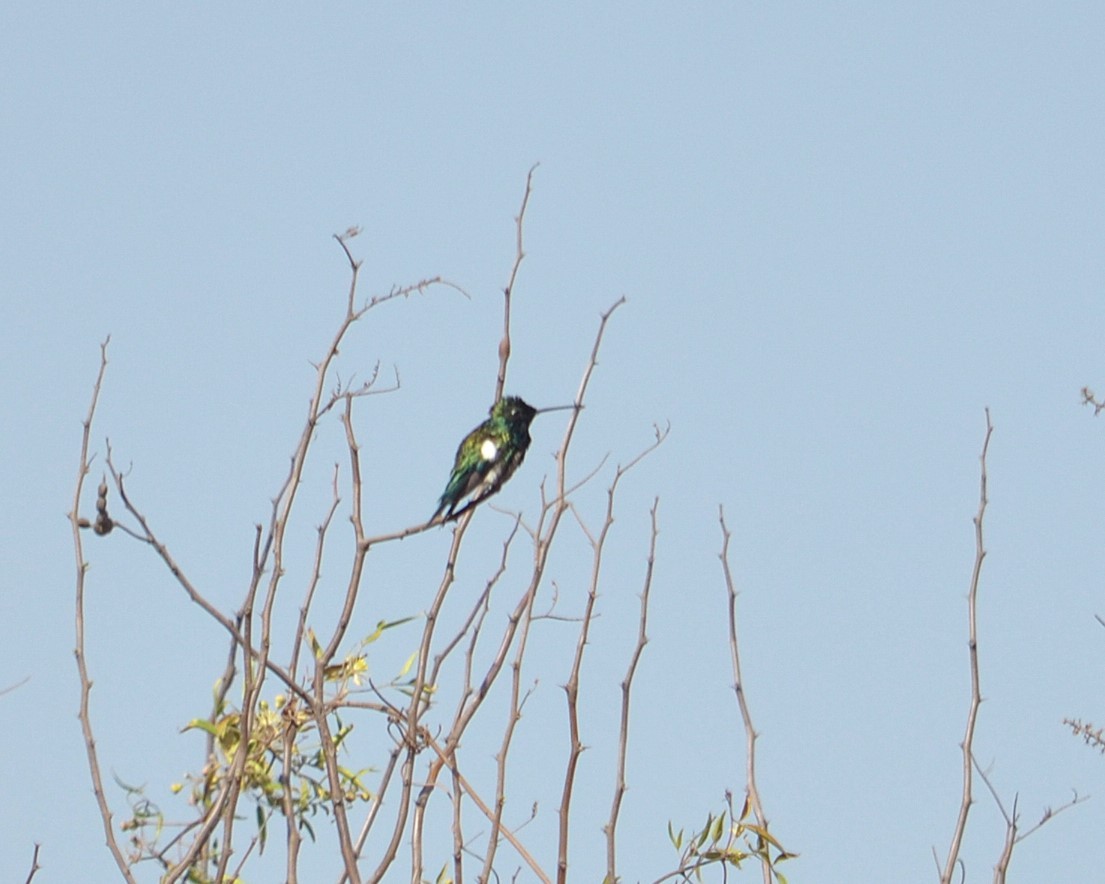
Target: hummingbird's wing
(473, 467)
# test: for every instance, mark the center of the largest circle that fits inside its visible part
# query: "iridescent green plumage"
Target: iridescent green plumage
(489, 455)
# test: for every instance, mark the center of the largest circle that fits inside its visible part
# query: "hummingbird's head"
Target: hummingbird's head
(514, 410)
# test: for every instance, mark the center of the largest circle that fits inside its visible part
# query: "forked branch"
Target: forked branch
(84, 713)
(611, 827)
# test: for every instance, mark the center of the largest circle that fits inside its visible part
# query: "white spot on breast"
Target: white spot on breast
(488, 451)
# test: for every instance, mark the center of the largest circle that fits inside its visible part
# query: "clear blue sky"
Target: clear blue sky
(843, 230)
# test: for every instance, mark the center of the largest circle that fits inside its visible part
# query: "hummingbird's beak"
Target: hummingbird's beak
(559, 408)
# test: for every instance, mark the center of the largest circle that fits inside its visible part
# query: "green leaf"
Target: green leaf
(202, 724)
(303, 824)
(763, 833)
(676, 840)
(407, 666)
(718, 829)
(262, 829)
(705, 833)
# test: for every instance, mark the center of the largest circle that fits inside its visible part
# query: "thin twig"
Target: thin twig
(514, 715)
(232, 626)
(1013, 833)
(508, 292)
(972, 647)
(487, 812)
(409, 722)
(79, 651)
(571, 687)
(34, 865)
(611, 827)
(377, 802)
(750, 735)
(473, 623)
(15, 686)
(316, 576)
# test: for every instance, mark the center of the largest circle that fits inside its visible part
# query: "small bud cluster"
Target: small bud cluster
(103, 523)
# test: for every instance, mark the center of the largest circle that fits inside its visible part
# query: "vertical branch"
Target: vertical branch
(750, 734)
(458, 829)
(316, 576)
(34, 865)
(514, 715)
(293, 838)
(321, 709)
(972, 647)
(610, 829)
(79, 652)
(377, 803)
(361, 547)
(409, 721)
(508, 292)
(337, 804)
(1002, 867)
(571, 689)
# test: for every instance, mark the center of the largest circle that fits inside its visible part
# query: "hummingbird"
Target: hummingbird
(490, 454)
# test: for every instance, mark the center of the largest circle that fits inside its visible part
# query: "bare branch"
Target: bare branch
(1092, 736)
(508, 292)
(409, 722)
(361, 549)
(377, 802)
(514, 715)
(487, 812)
(34, 865)
(750, 734)
(147, 535)
(79, 651)
(571, 688)
(1013, 835)
(1050, 813)
(611, 826)
(1088, 398)
(316, 576)
(15, 686)
(972, 647)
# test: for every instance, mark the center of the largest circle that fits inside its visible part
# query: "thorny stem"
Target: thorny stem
(508, 292)
(738, 687)
(972, 647)
(571, 688)
(464, 785)
(1013, 834)
(377, 803)
(79, 651)
(611, 827)
(316, 576)
(514, 714)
